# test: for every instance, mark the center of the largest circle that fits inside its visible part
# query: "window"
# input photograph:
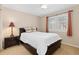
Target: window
(58, 23)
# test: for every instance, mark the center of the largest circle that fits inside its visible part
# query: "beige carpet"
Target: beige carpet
(20, 50)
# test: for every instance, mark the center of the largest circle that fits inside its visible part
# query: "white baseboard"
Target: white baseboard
(70, 44)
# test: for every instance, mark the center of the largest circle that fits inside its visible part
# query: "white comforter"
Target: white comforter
(39, 40)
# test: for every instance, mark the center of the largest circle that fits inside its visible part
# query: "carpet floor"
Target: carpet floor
(20, 50)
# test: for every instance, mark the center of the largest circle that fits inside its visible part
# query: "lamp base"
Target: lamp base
(11, 35)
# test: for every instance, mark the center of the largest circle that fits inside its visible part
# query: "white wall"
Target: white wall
(43, 24)
(20, 19)
(74, 40)
(1, 36)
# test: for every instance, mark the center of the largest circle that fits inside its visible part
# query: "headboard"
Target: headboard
(21, 30)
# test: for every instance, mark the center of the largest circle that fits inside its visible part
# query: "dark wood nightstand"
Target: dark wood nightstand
(11, 41)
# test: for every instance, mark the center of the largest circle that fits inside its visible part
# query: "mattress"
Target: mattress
(39, 40)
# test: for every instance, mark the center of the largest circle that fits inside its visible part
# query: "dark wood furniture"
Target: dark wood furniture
(11, 41)
(51, 49)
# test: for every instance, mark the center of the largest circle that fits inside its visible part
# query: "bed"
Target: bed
(39, 42)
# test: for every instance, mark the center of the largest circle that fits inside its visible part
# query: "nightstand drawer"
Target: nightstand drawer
(8, 42)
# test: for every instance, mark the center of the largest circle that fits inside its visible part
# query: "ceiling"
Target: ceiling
(35, 9)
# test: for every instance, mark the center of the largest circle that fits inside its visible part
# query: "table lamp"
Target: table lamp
(11, 25)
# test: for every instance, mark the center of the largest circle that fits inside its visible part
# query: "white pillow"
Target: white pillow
(34, 29)
(28, 29)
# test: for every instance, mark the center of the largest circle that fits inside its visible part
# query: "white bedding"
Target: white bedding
(39, 40)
